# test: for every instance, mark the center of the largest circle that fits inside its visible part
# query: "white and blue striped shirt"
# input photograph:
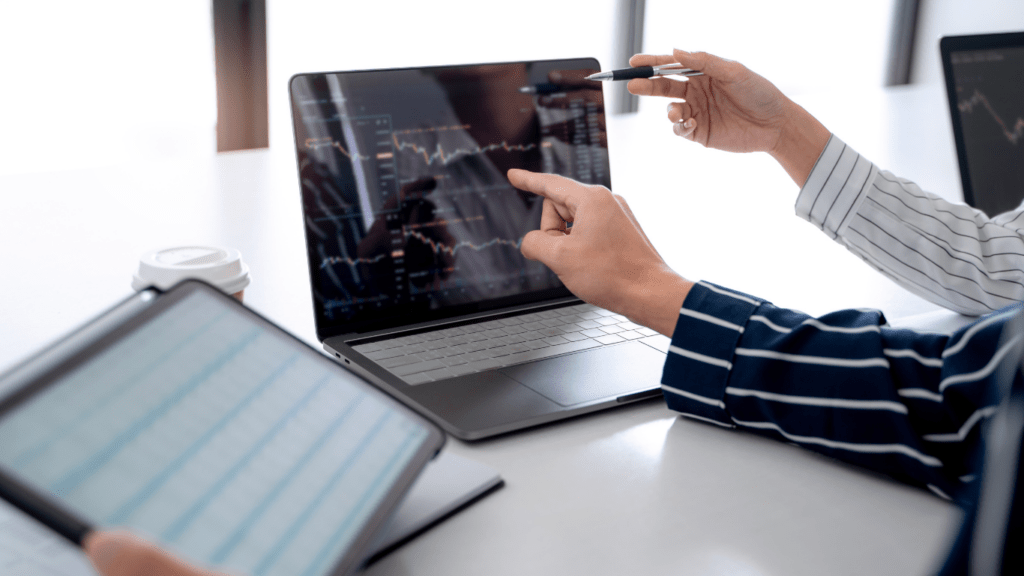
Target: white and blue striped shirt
(905, 403)
(908, 404)
(948, 253)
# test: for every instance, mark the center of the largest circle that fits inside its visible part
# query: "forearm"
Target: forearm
(948, 253)
(654, 301)
(800, 143)
(902, 403)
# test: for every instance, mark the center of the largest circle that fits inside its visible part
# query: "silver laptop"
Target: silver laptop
(413, 234)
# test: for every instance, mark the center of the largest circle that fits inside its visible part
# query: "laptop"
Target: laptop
(983, 75)
(413, 237)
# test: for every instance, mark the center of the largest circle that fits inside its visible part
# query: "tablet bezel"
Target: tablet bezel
(74, 526)
(947, 46)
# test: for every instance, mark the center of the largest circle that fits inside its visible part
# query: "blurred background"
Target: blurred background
(101, 83)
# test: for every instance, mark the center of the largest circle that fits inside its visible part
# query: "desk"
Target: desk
(634, 490)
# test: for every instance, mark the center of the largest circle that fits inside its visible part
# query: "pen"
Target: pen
(44, 508)
(645, 72)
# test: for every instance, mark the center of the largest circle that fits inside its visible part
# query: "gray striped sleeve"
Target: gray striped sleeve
(951, 254)
(835, 188)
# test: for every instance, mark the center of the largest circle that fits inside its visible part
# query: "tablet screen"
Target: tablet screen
(228, 442)
(983, 75)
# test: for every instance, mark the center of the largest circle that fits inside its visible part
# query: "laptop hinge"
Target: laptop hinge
(387, 334)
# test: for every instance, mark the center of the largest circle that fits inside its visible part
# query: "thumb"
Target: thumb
(124, 554)
(542, 246)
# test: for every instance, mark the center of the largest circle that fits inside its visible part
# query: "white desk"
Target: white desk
(634, 490)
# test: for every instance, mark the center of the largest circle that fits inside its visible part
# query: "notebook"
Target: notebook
(413, 237)
(983, 82)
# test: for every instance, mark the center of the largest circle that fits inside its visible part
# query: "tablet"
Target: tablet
(193, 421)
(983, 84)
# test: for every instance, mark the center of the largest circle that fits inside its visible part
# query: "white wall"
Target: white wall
(322, 35)
(940, 18)
(800, 45)
(103, 82)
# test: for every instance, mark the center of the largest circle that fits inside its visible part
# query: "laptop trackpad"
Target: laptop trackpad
(592, 375)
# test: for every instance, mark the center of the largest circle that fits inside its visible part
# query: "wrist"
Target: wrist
(800, 144)
(655, 301)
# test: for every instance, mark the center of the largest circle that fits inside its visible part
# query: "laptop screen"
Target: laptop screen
(984, 79)
(409, 214)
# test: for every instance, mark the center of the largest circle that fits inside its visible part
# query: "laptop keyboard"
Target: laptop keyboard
(441, 354)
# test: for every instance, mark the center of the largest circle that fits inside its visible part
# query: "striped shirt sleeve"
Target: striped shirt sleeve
(948, 253)
(905, 403)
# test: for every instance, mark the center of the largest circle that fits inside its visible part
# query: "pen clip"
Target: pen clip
(674, 66)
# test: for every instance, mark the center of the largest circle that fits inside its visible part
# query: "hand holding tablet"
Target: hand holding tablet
(124, 554)
(191, 420)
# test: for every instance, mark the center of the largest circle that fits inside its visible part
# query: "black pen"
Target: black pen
(44, 508)
(645, 72)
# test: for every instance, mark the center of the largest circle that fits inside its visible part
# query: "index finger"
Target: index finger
(551, 218)
(659, 87)
(554, 187)
(651, 60)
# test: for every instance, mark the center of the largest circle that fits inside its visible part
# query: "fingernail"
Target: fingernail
(688, 123)
(678, 128)
(104, 550)
(669, 108)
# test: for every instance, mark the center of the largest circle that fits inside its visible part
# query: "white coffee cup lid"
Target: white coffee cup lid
(222, 267)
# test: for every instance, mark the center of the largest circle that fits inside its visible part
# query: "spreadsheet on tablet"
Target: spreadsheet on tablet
(226, 442)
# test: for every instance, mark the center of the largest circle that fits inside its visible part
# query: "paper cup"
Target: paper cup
(221, 267)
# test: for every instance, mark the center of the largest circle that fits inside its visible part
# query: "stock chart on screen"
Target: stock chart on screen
(990, 108)
(408, 209)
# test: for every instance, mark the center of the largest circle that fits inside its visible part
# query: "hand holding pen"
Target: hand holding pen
(673, 69)
(727, 106)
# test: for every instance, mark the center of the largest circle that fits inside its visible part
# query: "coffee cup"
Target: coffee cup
(221, 267)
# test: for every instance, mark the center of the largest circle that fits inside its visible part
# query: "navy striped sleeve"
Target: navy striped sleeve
(905, 403)
(703, 344)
